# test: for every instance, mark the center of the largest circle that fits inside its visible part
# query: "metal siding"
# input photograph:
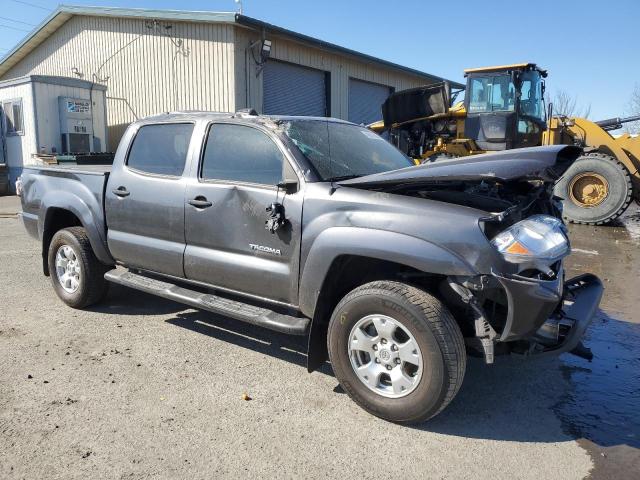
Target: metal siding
(208, 72)
(365, 101)
(249, 80)
(293, 90)
(153, 74)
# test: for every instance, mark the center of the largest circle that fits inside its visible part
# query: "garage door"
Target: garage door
(294, 90)
(365, 101)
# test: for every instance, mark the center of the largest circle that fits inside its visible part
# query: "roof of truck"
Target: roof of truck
(201, 114)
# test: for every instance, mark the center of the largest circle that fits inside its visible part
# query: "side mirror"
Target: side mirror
(289, 186)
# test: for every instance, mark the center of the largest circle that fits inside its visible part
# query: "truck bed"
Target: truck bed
(78, 189)
(85, 169)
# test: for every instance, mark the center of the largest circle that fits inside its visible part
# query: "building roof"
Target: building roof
(51, 80)
(65, 12)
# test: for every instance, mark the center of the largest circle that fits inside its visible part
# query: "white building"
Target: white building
(152, 61)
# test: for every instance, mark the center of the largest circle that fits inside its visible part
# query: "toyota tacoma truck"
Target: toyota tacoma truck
(319, 227)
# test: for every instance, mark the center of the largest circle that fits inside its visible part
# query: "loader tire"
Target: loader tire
(596, 189)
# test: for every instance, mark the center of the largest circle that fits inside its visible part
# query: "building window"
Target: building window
(13, 121)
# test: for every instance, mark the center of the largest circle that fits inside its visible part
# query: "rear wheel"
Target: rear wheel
(596, 189)
(397, 351)
(76, 274)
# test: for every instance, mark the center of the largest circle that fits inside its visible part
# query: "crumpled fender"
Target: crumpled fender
(379, 244)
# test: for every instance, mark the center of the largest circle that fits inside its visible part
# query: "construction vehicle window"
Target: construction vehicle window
(531, 101)
(491, 94)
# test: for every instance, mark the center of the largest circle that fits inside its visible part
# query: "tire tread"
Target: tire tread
(442, 324)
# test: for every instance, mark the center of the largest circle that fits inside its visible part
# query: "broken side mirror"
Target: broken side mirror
(289, 182)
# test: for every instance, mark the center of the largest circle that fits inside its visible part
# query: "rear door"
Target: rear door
(228, 245)
(144, 201)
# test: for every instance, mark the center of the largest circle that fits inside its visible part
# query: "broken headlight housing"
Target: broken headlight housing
(540, 239)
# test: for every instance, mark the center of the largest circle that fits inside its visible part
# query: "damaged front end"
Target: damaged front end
(525, 316)
(520, 302)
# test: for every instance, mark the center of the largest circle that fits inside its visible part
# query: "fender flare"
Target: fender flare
(73, 203)
(379, 244)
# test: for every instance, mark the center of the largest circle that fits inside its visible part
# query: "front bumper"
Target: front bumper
(582, 295)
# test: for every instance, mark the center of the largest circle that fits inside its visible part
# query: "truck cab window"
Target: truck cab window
(241, 154)
(161, 149)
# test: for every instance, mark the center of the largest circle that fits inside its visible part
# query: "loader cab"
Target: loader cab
(505, 106)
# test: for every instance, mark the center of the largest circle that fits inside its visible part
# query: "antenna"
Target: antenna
(239, 2)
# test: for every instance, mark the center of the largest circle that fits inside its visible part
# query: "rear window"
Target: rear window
(161, 149)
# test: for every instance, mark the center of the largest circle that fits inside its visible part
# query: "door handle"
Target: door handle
(200, 202)
(121, 191)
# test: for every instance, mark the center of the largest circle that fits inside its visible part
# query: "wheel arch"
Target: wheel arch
(61, 210)
(357, 257)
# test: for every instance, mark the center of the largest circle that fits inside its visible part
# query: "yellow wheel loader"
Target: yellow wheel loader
(503, 109)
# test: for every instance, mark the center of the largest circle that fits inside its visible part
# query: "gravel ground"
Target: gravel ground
(139, 387)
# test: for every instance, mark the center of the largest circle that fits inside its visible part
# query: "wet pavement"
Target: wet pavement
(601, 407)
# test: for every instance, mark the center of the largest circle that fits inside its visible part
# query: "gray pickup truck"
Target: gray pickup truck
(318, 227)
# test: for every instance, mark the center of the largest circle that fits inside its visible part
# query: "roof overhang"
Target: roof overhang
(64, 12)
(314, 42)
(52, 80)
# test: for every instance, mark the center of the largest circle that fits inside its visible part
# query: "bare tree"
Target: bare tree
(566, 104)
(634, 109)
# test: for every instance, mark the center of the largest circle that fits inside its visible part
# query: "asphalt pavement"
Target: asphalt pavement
(140, 387)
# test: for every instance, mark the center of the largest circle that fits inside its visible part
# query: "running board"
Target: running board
(262, 317)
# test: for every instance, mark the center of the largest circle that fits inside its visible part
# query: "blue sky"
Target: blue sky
(590, 47)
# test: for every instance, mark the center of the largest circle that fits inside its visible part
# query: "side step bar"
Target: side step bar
(240, 311)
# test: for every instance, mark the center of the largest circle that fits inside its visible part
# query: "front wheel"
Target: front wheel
(596, 189)
(76, 274)
(397, 351)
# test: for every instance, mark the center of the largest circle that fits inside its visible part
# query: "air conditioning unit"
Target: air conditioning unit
(76, 125)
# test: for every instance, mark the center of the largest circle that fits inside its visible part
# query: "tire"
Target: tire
(433, 329)
(618, 192)
(73, 245)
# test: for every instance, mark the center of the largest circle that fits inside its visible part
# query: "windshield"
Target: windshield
(531, 102)
(341, 150)
(492, 93)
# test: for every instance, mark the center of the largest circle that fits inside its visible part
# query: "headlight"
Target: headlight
(538, 238)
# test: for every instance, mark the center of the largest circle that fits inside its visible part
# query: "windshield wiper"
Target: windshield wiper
(342, 177)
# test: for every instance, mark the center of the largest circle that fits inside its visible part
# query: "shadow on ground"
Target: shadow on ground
(546, 400)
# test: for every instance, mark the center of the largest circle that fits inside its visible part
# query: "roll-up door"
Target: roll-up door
(365, 101)
(294, 90)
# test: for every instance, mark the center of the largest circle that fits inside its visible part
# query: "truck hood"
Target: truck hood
(537, 163)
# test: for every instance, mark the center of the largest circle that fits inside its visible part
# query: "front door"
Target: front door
(227, 243)
(144, 200)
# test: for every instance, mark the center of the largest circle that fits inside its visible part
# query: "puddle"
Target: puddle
(603, 401)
